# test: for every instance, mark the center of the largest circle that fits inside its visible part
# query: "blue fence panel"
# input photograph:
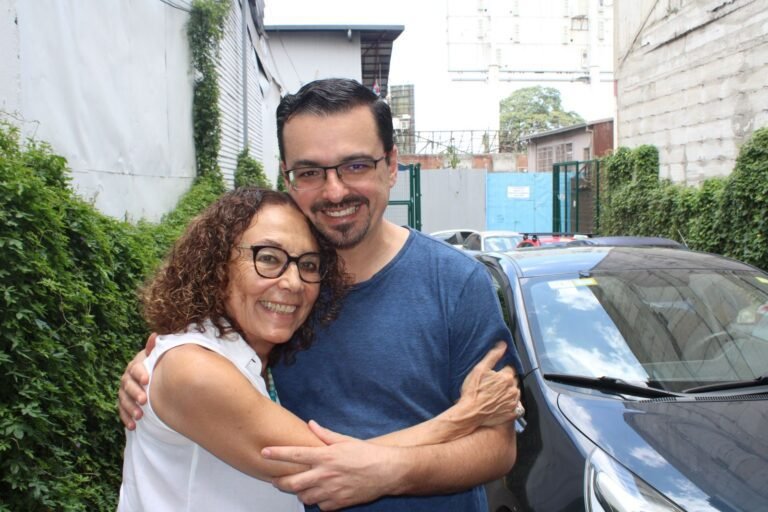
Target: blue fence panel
(518, 201)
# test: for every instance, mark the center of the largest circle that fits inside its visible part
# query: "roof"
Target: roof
(375, 47)
(565, 129)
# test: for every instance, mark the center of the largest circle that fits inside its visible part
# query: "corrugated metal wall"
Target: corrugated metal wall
(231, 97)
(230, 93)
(453, 198)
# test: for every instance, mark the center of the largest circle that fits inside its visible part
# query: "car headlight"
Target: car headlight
(610, 487)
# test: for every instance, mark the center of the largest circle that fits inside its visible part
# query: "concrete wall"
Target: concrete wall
(691, 80)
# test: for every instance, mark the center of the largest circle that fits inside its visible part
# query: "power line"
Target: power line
(171, 3)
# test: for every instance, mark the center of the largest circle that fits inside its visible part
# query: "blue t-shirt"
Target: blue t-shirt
(398, 354)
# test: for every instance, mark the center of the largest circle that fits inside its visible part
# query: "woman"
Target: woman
(242, 289)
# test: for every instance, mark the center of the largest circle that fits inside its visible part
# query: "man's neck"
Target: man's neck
(374, 251)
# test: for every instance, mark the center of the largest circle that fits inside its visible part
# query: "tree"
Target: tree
(531, 110)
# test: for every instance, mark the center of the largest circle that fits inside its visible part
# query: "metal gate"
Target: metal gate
(576, 197)
(404, 207)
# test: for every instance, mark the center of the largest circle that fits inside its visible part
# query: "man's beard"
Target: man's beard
(342, 236)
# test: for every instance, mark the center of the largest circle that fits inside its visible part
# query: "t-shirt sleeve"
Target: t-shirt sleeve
(476, 325)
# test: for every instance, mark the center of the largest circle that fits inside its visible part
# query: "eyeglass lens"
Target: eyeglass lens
(271, 262)
(348, 172)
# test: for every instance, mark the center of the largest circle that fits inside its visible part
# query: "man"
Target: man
(419, 316)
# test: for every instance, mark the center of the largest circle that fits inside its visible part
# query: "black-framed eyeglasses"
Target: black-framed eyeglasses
(271, 262)
(350, 172)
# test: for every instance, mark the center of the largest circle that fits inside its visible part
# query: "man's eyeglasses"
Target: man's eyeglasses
(354, 171)
(271, 262)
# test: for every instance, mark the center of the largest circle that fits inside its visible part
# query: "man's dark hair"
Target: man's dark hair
(333, 96)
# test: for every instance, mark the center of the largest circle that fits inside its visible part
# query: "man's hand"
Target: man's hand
(131, 395)
(346, 472)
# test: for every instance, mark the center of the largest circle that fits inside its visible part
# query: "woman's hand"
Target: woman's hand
(490, 397)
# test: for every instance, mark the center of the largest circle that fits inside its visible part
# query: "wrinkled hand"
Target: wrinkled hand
(131, 395)
(346, 472)
(492, 397)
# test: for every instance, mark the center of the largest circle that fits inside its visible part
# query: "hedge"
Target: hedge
(70, 321)
(726, 216)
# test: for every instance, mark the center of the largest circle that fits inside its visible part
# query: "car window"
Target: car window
(472, 242)
(499, 286)
(454, 239)
(674, 329)
(501, 243)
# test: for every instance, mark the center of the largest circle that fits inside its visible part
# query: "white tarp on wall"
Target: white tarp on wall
(108, 84)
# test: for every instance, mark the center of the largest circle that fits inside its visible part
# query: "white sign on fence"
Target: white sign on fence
(518, 192)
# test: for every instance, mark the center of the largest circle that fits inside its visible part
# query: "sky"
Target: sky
(420, 58)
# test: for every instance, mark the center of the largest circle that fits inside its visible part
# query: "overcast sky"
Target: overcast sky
(420, 58)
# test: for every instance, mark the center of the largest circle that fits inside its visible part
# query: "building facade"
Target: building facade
(691, 80)
(580, 142)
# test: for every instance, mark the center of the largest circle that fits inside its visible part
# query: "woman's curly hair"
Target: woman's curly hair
(191, 284)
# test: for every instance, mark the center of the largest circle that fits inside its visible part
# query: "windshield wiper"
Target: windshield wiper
(609, 384)
(736, 384)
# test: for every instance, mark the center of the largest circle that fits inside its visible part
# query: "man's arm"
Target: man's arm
(131, 395)
(419, 460)
(349, 471)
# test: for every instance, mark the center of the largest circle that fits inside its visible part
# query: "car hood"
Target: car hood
(704, 454)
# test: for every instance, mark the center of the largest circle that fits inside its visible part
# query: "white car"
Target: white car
(455, 237)
(484, 241)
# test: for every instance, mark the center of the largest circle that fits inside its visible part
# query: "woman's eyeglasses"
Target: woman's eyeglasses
(271, 262)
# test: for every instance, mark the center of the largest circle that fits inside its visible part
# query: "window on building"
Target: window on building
(544, 158)
(564, 152)
(580, 23)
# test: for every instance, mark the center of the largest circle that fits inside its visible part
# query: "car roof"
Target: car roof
(498, 232)
(654, 241)
(569, 260)
(457, 230)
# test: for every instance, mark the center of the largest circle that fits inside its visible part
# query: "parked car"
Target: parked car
(645, 241)
(547, 239)
(484, 241)
(455, 237)
(645, 379)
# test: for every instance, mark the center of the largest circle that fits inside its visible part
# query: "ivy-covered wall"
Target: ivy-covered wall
(69, 322)
(726, 216)
(70, 317)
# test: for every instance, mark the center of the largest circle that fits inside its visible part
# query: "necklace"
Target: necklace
(271, 386)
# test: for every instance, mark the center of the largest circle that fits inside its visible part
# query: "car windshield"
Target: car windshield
(501, 243)
(670, 329)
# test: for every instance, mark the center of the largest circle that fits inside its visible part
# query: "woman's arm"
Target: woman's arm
(488, 398)
(203, 396)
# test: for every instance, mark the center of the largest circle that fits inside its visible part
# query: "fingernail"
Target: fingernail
(266, 453)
